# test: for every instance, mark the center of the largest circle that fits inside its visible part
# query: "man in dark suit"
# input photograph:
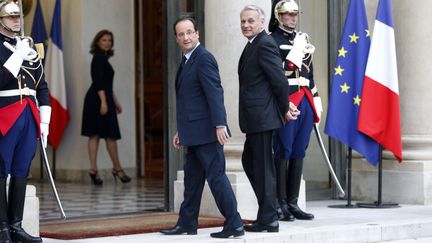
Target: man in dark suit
(263, 105)
(202, 127)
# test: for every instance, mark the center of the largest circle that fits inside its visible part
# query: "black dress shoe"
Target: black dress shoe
(257, 227)
(228, 233)
(178, 230)
(298, 213)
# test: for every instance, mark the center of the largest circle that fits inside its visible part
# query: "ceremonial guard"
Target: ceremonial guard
(24, 118)
(292, 140)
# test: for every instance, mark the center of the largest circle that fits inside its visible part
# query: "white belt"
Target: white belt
(299, 81)
(17, 92)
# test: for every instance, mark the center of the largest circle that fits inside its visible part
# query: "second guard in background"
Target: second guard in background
(292, 140)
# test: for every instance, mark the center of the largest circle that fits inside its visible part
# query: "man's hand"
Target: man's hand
(222, 135)
(292, 113)
(176, 141)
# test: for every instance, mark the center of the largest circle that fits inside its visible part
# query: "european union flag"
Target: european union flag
(347, 84)
(38, 32)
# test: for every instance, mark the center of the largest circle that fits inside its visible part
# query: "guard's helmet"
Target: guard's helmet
(285, 6)
(9, 8)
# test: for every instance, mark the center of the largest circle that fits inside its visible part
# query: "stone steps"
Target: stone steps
(407, 224)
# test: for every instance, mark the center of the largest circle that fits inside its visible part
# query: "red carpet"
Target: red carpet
(79, 229)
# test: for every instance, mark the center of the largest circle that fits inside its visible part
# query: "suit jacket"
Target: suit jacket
(263, 86)
(200, 101)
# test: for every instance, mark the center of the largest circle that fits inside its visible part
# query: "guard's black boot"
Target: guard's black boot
(17, 191)
(287, 215)
(281, 172)
(295, 170)
(4, 226)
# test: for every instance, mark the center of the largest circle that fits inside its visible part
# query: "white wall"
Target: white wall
(81, 20)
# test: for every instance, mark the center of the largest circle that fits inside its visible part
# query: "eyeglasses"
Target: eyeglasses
(183, 35)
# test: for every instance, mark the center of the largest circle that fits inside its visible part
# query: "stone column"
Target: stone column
(411, 181)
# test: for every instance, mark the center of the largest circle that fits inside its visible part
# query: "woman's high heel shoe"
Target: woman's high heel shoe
(121, 175)
(94, 176)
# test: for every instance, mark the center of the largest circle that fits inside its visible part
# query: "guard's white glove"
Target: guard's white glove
(318, 107)
(301, 40)
(45, 117)
(296, 56)
(22, 51)
(300, 47)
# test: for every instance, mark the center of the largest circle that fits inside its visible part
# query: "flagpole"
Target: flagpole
(349, 172)
(379, 203)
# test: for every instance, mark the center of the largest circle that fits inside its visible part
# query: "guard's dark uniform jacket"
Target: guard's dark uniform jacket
(302, 83)
(15, 93)
(292, 140)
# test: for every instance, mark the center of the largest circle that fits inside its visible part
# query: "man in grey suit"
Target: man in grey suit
(202, 127)
(263, 105)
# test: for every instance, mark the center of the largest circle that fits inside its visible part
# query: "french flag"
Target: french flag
(54, 73)
(379, 116)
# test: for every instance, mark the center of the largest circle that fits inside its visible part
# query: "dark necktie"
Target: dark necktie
(248, 45)
(182, 65)
(245, 51)
(183, 62)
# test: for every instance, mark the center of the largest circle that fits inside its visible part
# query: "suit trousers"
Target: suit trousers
(257, 160)
(207, 162)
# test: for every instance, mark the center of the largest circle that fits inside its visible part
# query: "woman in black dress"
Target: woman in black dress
(101, 107)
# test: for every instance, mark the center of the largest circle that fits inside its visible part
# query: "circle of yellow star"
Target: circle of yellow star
(357, 100)
(354, 37)
(344, 88)
(342, 52)
(338, 70)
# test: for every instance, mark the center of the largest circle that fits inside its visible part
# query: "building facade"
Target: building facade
(146, 58)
